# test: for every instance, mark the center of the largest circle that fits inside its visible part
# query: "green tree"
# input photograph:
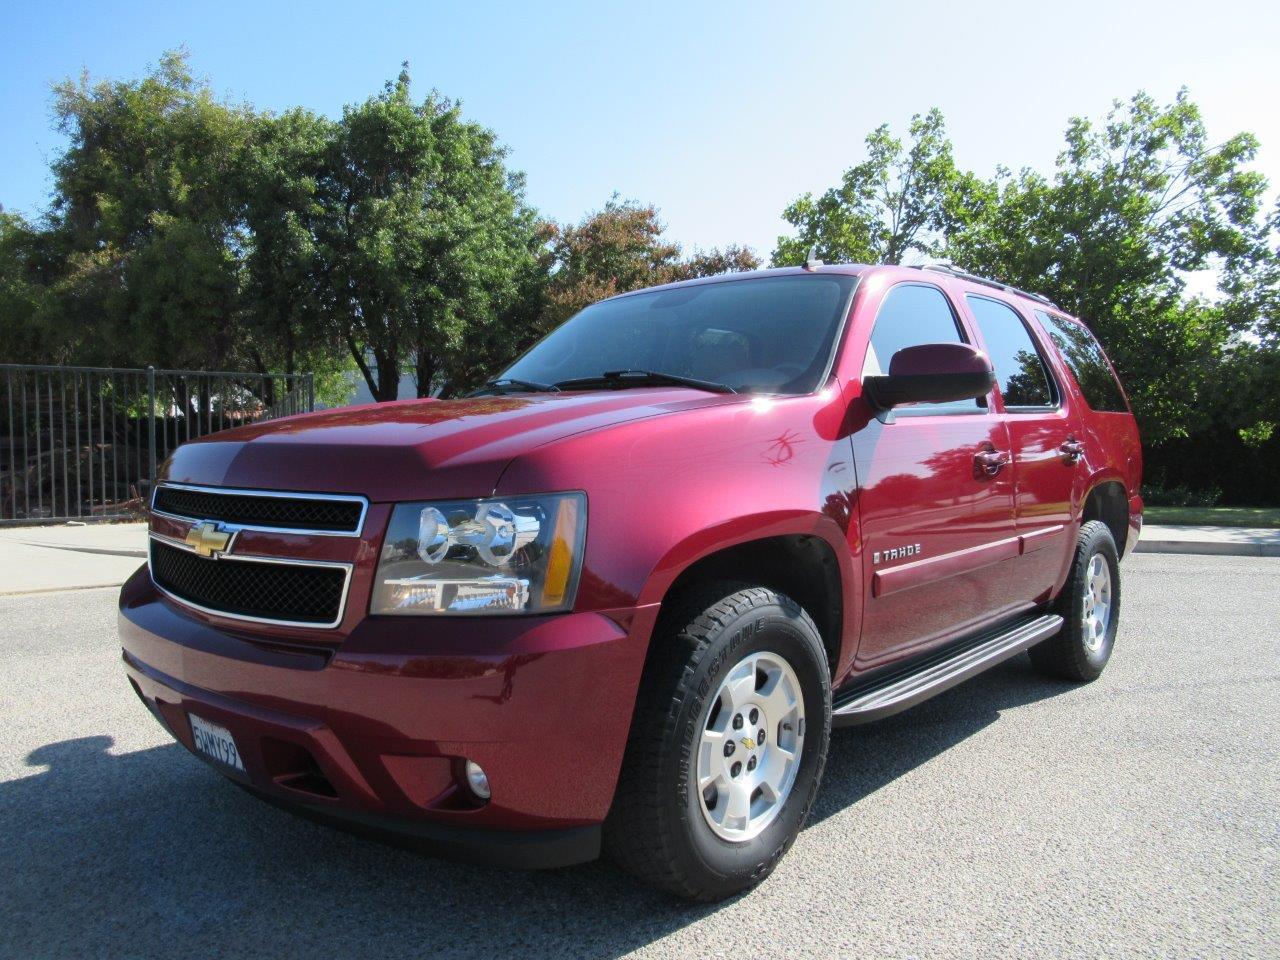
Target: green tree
(621, 248)
(285, 316)
(423, 236)
(27, 266)
(897, 202)
(146, 209)
(1134, 205)
(1248, 394)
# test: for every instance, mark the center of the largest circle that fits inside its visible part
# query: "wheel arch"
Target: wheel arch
(1108, 501)
(802, 563)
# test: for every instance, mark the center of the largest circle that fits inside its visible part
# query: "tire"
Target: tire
(1080, 651)
(658, 828)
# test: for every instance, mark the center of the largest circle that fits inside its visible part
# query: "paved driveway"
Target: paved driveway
(1011, 817)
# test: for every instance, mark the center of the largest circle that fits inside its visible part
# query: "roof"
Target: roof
(852, 269)
(843, 269)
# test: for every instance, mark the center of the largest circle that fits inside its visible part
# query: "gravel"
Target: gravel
(1012, 816)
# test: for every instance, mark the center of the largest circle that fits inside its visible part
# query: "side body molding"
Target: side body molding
(931, 569)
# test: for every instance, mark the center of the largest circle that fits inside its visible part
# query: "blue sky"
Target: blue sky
(719, 114)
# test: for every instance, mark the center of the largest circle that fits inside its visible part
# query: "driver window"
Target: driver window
(912, 314)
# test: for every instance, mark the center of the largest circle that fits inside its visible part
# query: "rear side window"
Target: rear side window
(1020, 370)
(1084, 357)
(912, 314)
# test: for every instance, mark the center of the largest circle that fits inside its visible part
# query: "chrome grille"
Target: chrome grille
(252, 588)
(326, 514)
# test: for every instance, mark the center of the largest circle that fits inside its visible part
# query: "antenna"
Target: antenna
(812, 262)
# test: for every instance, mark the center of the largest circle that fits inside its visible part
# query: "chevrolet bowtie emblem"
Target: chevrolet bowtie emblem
(749, 743)
(208, 539)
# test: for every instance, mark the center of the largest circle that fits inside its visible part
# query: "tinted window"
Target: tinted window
(767, 335)
(909, 315)
(912, 314)
(1084, 357)
(1020, 372)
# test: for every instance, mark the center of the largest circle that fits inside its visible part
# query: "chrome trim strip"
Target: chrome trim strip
(927, 570)
(1034, 540)
(279, 494)
(347, 569)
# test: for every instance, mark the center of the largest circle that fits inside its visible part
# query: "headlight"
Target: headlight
(495, 556)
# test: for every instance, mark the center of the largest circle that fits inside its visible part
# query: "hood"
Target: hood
(413, 449)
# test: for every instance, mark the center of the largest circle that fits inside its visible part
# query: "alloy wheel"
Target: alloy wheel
(1096, 603)
(749, 753)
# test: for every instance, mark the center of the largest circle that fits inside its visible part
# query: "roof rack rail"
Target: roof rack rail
(974, 278)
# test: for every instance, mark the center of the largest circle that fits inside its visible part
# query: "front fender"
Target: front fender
(666, 492)
(707, 542)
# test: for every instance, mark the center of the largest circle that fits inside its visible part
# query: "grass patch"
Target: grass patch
(1215, 516)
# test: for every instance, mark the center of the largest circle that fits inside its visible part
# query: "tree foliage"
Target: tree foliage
(189, 232)
(285, 316)
(146, 213)
(423, 239)
(1135, 205)
(619, 248)
(27, 267)
(894, 204)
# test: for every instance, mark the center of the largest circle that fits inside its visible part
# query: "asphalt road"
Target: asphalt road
(1013, 816)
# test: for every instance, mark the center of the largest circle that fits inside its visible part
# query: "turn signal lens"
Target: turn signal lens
(560, 559)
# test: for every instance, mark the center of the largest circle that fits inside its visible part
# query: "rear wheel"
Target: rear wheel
(728, 743)
(1090, 609)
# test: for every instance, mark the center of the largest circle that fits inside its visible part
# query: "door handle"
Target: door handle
(990, 462)
(1072, 449)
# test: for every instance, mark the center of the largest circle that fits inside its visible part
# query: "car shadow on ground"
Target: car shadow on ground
(140, 853)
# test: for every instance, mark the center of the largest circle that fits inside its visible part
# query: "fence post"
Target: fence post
(151, 427)
(311, 392)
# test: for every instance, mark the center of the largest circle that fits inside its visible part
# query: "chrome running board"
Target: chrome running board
(867, 702)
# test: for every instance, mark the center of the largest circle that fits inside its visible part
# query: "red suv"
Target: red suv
(619, 597)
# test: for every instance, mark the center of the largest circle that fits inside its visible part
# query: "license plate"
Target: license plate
(215, 741)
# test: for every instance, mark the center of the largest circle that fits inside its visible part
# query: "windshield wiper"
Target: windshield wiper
(643, 378)
(505, 383)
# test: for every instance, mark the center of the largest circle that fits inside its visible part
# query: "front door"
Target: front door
(935, 500)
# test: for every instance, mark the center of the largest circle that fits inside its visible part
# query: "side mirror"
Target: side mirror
(932, 373)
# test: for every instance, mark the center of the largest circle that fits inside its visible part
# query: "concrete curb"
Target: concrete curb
(74, 588)
(1209, 548)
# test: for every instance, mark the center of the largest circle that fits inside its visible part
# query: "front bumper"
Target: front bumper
(372, 733)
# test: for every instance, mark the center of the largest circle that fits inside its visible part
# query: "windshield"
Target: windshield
(763, 335)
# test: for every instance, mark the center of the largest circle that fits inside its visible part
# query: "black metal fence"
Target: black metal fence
(83, 443)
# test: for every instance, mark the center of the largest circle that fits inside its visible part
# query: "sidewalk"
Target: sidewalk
(39, 559)
(1219, 541)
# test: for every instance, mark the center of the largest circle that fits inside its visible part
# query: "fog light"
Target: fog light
(477, 780)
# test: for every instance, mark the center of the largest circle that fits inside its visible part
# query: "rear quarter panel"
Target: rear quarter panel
(1112, 445)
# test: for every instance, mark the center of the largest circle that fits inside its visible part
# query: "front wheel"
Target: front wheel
(728, 744)
(1090, 608)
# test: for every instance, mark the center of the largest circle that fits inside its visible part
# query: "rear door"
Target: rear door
(1044, 437)
(937, 526)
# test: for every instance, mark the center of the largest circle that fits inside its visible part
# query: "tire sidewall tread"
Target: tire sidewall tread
(656, 829)
(1066, 655)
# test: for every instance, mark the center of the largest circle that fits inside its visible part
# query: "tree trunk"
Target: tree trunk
(388, 376)
(357, 354)
(425, 373)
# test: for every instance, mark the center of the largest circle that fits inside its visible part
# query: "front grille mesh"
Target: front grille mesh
(301, 513)
(271, 591)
